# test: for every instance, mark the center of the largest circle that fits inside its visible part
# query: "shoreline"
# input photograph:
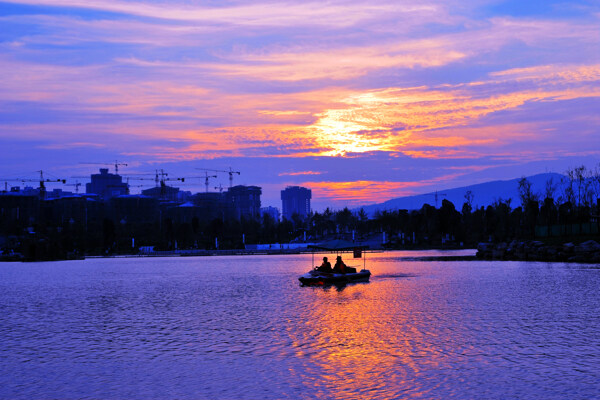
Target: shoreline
(243, 252)
(587, 252)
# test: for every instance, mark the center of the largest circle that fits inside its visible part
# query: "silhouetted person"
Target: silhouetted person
(325, 266)
(339, 267)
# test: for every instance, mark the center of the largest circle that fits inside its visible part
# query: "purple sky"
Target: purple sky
(360, 103)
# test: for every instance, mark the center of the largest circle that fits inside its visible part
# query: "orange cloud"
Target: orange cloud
(354, 193)
(299, 173)
(361, 192)
(404, 119)
(327, 121)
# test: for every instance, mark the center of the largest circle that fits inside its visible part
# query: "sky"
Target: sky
(359, 101)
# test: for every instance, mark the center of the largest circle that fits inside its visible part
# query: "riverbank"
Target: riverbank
(533, 250)
(243, 252)
(246, 252)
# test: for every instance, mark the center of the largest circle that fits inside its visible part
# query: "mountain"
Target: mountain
(484, 194)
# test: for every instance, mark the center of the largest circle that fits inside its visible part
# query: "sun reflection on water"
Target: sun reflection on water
(355, 345)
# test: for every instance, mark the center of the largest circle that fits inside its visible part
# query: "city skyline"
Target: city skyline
(358, 103)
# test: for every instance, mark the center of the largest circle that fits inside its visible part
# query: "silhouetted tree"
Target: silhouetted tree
(526, 193)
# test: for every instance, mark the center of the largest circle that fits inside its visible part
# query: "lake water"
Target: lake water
(242, 327)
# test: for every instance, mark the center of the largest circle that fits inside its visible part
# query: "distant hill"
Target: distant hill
(484, 194)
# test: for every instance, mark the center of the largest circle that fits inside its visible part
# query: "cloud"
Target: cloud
(358, 192)
(299, 173)
(262, 14)
(424, 114)
(338, 64)
(556, 73)
(434, 82)
(361, 192)
(63, 30)
(74, 145)
(424, 121)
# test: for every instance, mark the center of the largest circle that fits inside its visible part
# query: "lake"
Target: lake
(241, 327)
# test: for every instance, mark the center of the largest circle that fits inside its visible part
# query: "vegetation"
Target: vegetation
(565, 208)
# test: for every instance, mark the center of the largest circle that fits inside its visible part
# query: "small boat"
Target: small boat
(318, 278)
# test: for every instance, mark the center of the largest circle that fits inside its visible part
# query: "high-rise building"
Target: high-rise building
(244, 201)
(106, 185)
(295, 200)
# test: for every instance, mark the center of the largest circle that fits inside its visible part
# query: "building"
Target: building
(162, 192)
(136, 209)
(18, 210)
(273, 212)
(213, 205)
(295, 200)
(72, 210)
(106, 185)
(185, 213)
(58, 194)
(243, 201)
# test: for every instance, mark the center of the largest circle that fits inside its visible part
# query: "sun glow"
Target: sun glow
(417, 87)
(343, 135)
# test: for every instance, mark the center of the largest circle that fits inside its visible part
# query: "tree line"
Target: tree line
(572, 201)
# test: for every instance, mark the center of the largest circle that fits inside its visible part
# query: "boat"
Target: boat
(318, 278)
(315, 277)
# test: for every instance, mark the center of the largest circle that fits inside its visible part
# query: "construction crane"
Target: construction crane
(206, 178)
(435, 195)
(42, 181)
(160, 179)
(76, 184)
(230, 172)
(115, 164)
(128, 186)
(163, 178)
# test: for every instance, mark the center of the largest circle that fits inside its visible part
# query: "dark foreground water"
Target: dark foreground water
(242, 327)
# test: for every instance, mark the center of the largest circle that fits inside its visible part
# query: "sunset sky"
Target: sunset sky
(359, 101)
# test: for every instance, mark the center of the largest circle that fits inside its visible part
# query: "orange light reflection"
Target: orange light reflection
(360, 338)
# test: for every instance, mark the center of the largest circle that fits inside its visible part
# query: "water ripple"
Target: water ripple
(242, 327)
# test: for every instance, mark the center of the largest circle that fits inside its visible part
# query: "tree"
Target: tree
(449, 219)
(467, 207)
(526, 193)
(344, 219)
(469, 197)
(502, 221)
(595, 189)
(268, 228)
(578, 185)
(595, 182)
(548, 214)
(550, 189)
(363, 219)
(298, 221)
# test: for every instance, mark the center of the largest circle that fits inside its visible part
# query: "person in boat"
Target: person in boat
(325, 266)
(339, 266)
